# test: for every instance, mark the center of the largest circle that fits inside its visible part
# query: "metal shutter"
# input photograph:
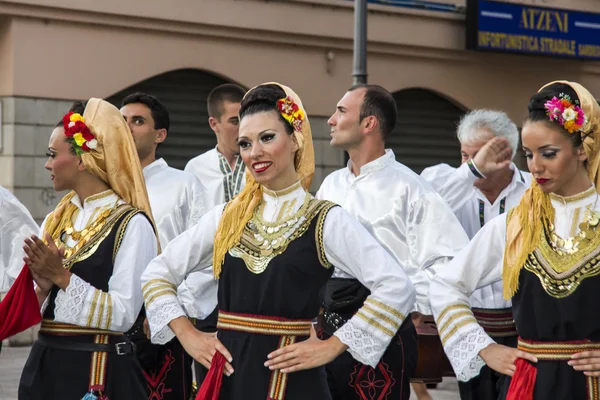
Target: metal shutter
(184, 92)
(425, 133)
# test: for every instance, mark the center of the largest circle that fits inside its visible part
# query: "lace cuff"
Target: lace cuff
(363, 346)
(159, 317)
(464, 353)
(70, 303)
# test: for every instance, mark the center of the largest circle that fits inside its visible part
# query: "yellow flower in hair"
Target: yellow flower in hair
(79, 139)
(76, 118)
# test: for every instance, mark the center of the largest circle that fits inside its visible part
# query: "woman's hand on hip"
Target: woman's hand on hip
(308, 354)
(502, 358)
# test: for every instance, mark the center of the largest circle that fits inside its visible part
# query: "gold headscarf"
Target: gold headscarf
(525, 227)
(239, 211)
(115, 161)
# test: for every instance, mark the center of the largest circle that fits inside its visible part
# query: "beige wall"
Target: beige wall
(248, 42)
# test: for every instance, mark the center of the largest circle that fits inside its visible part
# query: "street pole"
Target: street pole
(359, 73)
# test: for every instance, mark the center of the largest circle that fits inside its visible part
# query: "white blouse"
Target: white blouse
(16, 224)
(178, 200)
(473, 210)
(116, 310)
(404, 214)
(347, 245)
(479, 265)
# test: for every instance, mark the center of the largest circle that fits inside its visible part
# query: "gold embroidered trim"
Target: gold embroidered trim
(556, 351)
(319, 236)
(121, 233)
(99, 196)
(110, 311)
(101, 309)
(282, 192)
(90, 247)
(383, 317)
(249, 248)
(445, 310)
(563, 284)
(575, 222)
(158, 287)
(156, 281)
(93, 307)
(373, 322)
(451, 332)
(576, 197)
(455, 316)
(385, 307)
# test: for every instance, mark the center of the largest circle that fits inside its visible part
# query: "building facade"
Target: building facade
(55, 51)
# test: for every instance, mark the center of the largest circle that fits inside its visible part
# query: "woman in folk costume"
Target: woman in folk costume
(547, 253)
(88, 262)
(272, 248)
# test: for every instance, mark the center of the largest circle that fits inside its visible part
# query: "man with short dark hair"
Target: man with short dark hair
(405, 215)
(221, 169)
(178, 200)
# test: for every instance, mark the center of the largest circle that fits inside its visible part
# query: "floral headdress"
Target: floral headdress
(78, 133)
(565, 112)
(291, 112)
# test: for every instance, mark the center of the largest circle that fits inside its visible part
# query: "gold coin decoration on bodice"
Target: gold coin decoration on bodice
(587, 231)
(84, 235)
(273, 235)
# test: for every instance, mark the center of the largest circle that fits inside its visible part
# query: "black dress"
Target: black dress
(289, 288)
(552, 307)
(53, 370)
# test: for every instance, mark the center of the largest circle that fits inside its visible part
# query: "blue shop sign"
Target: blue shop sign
(504, 27)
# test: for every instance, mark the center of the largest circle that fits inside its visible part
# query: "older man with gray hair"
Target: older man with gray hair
(486, 185)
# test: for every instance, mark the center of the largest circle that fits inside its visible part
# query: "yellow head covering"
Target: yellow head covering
(239, 211)
(524, 229)
(115, 161)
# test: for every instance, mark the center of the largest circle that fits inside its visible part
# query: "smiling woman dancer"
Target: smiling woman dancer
(90, 288)
(547, 253)
(272, 249)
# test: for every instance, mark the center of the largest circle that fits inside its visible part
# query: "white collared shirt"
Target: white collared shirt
(348, 246)
(403, 213)
(473, 209)
(221, 181)
(16, 224)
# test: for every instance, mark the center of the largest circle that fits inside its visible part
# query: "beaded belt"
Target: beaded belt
(287, 329)
(548, 351)
(496, 322)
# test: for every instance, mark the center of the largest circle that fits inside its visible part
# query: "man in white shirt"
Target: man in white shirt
(486, 185)
(404, 214)
(16, 224)
(178, 200)
(221, 169)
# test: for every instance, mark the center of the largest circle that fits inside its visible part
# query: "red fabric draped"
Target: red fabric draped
(20, 308)
(523, 381)
(211, 387)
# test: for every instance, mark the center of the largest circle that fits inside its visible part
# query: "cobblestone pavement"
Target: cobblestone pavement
(12, 360)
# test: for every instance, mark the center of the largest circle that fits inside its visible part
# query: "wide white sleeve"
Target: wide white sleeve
(191, 251)
(350, 247)
(434, 237)
(455, 185)
(116, 310)
(478, 265)
(16, 224)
